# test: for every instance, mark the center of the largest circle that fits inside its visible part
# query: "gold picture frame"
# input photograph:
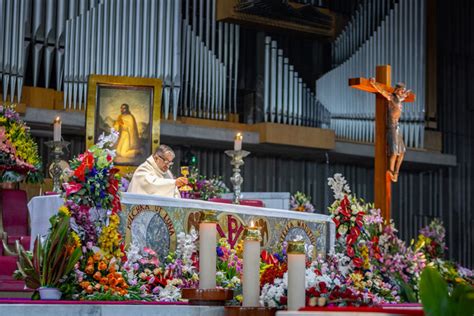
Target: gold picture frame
(130, 105)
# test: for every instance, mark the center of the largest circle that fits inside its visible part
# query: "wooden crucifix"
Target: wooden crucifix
(389, 146)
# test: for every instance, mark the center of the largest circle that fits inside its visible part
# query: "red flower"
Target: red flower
(358, 262)
(79, 173)
(355, 231)
(72, 187)
(322, 287)
(350, 251)
(283, 300)
(268, 257)
(88, 160)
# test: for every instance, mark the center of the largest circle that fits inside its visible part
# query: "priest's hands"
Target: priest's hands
(181, 181)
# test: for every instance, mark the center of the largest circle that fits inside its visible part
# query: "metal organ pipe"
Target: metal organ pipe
(194, 55)
(396, 36)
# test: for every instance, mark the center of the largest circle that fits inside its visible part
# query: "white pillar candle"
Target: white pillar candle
(251, 278)
(207, 251)
(57, 129)
(296, 275)
(238, 142)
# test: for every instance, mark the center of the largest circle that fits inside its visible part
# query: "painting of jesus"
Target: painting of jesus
(129, 106)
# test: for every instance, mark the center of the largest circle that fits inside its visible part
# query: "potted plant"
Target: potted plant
(51, 260)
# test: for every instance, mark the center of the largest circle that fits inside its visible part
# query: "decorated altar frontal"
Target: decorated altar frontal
(154, 222)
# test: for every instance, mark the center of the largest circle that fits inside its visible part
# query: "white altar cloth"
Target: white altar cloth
(41, 208)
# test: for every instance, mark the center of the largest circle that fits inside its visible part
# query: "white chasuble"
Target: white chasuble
(149, 179)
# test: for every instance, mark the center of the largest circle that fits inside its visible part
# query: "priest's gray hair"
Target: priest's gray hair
(163, 149)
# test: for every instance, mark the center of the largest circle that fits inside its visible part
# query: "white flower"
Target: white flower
(342, 230)
(109, 140)
(170, 293)
(339, 186)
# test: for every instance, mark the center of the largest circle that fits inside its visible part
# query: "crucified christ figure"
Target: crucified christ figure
(396, 146)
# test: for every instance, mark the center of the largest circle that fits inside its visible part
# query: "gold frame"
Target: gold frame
(95, 80)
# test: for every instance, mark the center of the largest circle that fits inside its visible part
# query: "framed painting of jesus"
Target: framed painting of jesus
(131, 106)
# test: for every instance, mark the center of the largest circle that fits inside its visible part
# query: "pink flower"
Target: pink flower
(72, 188)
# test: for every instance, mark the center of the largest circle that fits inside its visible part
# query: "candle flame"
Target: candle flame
(238, 136)
(251, 224)
(57, 119)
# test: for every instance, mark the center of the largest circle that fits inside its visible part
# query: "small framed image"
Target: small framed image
(131, 106)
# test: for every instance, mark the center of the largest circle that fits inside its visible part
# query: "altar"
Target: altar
(155, 222)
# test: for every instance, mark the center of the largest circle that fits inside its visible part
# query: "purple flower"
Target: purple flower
(220, 253)
(124, 183)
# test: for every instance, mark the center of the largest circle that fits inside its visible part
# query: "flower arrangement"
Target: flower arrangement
(203, 188)
(301, 202)
(370, 265)
(53, 258)
(19, 158)
(102, 279)
(92, 197)
(229, 266)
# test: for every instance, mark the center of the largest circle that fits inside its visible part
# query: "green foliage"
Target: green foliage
(52, 259)
(439, 300)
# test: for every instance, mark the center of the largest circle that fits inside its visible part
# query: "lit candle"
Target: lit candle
(296, 275)
(207, 251)
(238, 142)
(251, 278)
(57, 129)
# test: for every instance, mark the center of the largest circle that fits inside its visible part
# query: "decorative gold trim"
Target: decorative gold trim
(209, 217)
(295, 247)
(252, 233)
(95, 80)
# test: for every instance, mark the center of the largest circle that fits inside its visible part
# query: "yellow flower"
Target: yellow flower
(77, 240)
(63, 210)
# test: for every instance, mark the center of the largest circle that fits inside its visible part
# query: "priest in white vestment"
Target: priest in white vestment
(154, 177)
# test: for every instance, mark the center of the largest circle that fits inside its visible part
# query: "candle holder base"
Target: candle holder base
(249, 311)
(210, 297)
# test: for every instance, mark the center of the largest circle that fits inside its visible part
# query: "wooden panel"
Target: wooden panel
(225, 12)
(272, 133)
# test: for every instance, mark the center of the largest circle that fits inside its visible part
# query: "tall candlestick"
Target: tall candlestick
(251, 278)
(207, 251)
(57, 129)
(296, 275)
(238, 142)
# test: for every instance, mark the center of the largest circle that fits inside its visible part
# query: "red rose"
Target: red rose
(283, 300)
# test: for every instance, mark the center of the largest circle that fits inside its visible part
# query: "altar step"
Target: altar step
(65, 308)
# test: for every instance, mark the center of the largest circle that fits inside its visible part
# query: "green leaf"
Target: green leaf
(461, 301)
(433, 292)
